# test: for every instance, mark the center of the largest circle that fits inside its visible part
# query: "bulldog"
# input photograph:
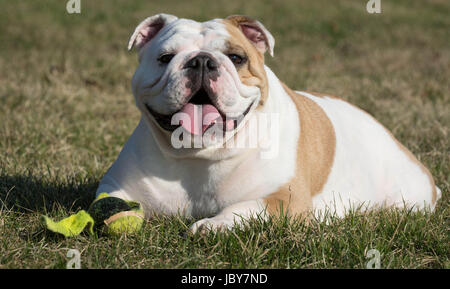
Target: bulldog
(221, 139)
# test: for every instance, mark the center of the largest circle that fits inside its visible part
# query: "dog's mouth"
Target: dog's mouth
(198, 115)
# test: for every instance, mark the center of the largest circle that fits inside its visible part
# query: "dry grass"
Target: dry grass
(66, 110)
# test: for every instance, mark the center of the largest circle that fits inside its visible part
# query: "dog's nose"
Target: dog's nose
(202, 62)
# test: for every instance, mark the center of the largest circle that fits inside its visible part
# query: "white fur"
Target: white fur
(224, 188)
(369, 168)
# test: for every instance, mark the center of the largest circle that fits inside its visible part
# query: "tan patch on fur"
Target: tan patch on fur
(401, 146)
(315, 156)
(251, 73)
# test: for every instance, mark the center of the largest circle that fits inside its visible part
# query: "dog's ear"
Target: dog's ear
(148, 29)
(255, 32)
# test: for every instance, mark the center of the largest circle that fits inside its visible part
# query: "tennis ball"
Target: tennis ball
(126, 224)
(104, 208)
(116, 215)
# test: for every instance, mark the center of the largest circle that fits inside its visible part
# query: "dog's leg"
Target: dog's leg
(235, 214)
(113, 193)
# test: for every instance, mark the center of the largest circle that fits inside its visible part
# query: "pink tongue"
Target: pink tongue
(201, 116)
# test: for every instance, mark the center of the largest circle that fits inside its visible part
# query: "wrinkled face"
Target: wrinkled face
(199, 80)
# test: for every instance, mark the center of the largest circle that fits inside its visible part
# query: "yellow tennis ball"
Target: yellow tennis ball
(128, 224)
(104, 208)
(116, 215)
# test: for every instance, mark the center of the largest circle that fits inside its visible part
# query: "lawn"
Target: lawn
(67, 109)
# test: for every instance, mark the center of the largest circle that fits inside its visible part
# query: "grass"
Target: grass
(66, 111)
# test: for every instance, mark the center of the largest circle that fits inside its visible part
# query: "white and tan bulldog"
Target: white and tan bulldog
(223, 139)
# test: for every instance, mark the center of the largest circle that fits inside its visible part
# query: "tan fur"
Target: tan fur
(252, 73)
(315, 155)
(402, 147)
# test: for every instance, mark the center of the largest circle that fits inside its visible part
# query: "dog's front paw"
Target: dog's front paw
(210, 224)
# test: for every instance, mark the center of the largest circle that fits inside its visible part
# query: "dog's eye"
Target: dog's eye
(236, 59)
(166, 58)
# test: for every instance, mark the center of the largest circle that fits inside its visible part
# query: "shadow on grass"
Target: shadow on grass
(31, 194)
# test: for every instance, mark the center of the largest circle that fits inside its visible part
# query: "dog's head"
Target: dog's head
(202, 79)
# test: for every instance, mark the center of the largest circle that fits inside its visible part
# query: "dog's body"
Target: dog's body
(330, 156)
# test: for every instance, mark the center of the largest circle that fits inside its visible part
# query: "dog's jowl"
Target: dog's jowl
(208, 103)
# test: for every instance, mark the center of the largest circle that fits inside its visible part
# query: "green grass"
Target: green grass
(66, 111)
